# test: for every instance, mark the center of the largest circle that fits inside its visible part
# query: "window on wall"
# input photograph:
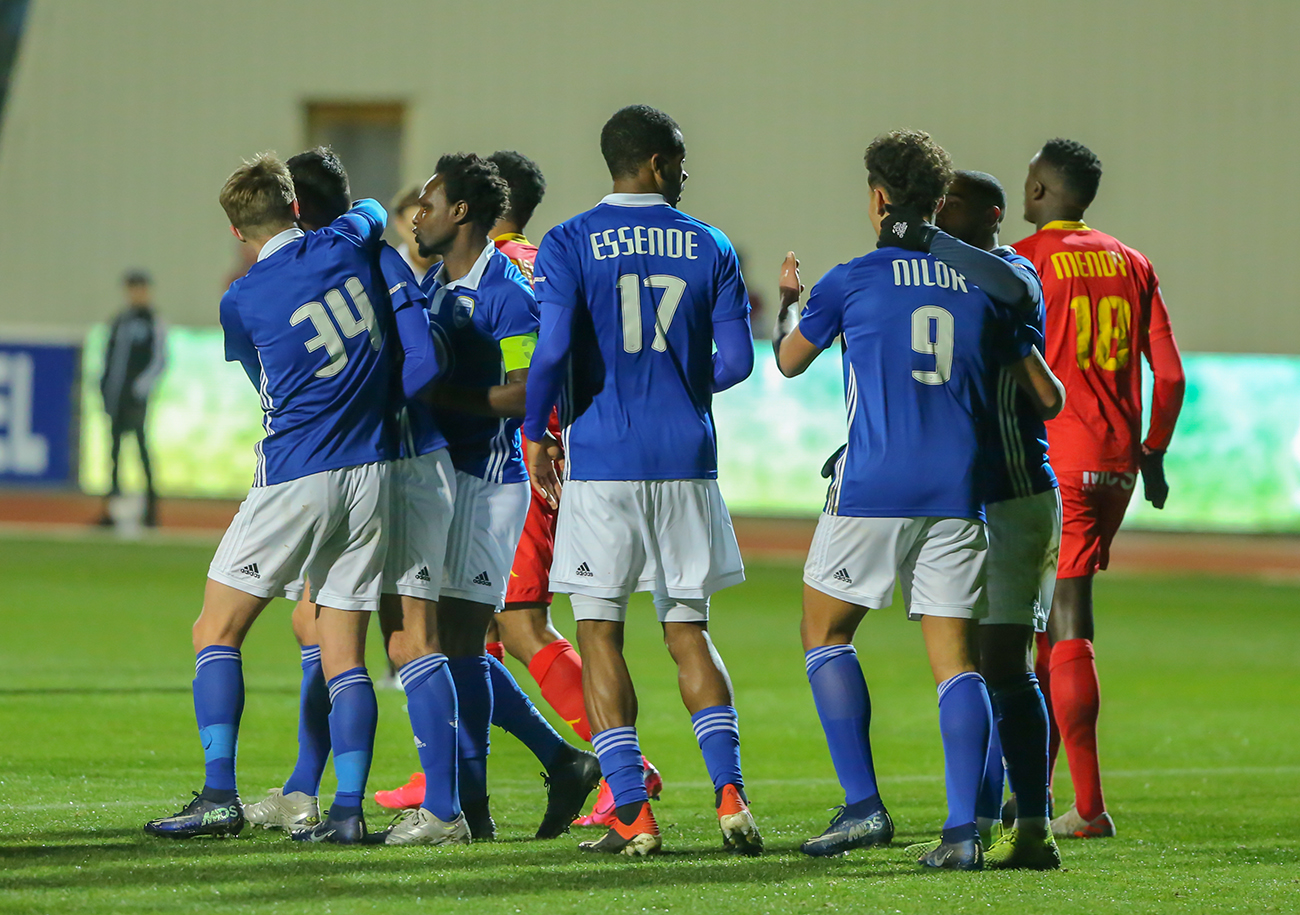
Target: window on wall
(367, 136)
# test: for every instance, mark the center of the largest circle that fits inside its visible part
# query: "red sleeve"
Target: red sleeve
(1161, 351)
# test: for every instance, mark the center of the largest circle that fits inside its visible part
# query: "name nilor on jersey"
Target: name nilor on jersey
(921, 350)
(1017, 448)
(418, 429)
(647, 283)
(472, 315)
(1103, 309)
(303, 323)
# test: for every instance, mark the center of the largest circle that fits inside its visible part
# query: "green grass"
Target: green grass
(1200, 743)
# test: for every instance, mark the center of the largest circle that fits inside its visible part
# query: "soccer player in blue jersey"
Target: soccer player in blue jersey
(921, 345)
(422, 492)
(634, 294)
(303, 325)
(488, 313)
(1024, 531)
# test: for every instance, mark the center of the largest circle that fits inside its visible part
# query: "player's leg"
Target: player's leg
(1024, 537)
(116, 431)
(1092, 516)
(943, 583)
(296, 804)
(218, 688)
(150, 494)
(850, 569)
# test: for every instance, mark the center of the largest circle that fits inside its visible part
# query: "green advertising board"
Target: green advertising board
(1234, 464)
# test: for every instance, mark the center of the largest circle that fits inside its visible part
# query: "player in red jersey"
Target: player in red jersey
(1103, 309)
(524, 627)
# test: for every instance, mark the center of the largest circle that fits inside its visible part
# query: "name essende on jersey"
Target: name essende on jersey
(649, 240)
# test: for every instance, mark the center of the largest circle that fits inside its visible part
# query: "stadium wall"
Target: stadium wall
(125, 118)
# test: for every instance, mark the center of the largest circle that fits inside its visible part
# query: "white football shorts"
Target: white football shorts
(938, 562)
(328, 526)
(671, 537)
(485, 529)
(1024, 544)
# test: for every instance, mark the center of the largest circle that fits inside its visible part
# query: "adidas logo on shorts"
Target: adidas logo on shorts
(250, 570)
(482, 579)
(423, 574)
(585, 571)
(843, 575)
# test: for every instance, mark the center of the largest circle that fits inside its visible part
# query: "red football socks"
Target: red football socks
(1076, 698)
(1042, 670)
(557, 668)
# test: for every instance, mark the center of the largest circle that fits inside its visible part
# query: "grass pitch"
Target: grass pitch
(1200, 741)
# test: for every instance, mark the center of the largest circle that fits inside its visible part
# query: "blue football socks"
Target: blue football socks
(988, 806)
(620, 763)
(514, 713)
(353, 716)
(1023, 727)
(313, 726)
(218, 705)
(474, 697)
(965, 720)
(844, 707)
(431, 703)
(718, 732)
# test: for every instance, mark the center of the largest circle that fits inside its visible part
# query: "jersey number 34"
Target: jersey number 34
(349, 325)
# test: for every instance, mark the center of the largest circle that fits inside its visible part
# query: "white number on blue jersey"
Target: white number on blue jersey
(932, 334)
(629, 292)
(327, 335)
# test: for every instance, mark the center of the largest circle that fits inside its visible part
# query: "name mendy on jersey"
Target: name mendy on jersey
(916, 272)
(643, 240)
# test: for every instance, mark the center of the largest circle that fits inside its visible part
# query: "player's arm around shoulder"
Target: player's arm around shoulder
(363, 224)
(1045, 390)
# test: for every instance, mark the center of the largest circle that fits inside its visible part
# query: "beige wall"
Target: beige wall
(127, 115)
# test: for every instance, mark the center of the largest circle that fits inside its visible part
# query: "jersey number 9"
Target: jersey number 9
(932, 334)
(349, 325)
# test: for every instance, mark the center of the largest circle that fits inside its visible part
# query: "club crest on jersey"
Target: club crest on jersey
(463, 310)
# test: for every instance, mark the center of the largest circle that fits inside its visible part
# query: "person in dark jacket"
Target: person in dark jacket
(133, 362)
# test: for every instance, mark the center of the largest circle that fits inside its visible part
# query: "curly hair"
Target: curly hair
(910, 167)
(476, 181)
(322, 186)
(1078, 166)
(527, 185)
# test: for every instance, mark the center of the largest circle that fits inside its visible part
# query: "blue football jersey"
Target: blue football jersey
(1017, 448)
(302, 322)
(473, 315)
(921, 350)
(418, 429)
(648, 283)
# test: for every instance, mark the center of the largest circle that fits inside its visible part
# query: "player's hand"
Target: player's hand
(1154, 486)
(544, 461)
(789, 285)
(829, 467)
(905, 227)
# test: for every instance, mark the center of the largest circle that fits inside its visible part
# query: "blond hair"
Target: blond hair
(258, 197)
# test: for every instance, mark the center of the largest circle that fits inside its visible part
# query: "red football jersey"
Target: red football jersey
(1103, 309)
(518, 249)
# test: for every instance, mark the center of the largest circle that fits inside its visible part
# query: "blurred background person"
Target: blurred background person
(133, 361)
(400, 212)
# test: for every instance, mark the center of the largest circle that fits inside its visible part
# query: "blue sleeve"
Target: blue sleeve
(419, 356)
(823, 318)
(734, 359)
(546, 374)
(514, 310)
(239, 345)
(732, 300)
(556, 278)
(363, 224)
(1001, 280)
(1015, 338)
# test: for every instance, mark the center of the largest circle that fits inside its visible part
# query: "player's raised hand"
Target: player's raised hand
(789, 284)
(544, 459)
(1154, 485)
(905, 227)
